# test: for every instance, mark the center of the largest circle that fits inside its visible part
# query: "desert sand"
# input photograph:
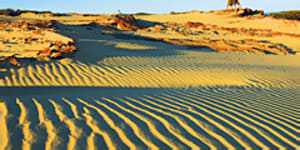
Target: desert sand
(162, 83)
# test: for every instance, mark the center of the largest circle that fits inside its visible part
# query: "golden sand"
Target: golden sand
(183, 119)
(122, 93)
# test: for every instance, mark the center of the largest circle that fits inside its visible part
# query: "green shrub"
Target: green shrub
(11, 12)
(293, 15)
(173, 13)
(141, 13)
(6, 11)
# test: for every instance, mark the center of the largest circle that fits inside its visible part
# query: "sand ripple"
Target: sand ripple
(172, 72)
(208, 102)
(206, 118)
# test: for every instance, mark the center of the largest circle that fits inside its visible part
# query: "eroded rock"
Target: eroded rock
(124, 23)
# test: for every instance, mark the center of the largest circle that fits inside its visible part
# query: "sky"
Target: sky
(149, 6)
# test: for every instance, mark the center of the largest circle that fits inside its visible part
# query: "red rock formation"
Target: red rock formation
(46, 52)
(14, 62)
(194, 24)
(73, 48)
(130, 18)
(55, 48)
(124, 23)
(58, 45)
(57, 55)
(66, 50)
(234, 46)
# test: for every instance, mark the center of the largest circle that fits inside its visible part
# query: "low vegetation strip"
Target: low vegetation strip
(292, 15)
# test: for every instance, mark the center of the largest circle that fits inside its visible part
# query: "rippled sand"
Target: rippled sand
(157, 96)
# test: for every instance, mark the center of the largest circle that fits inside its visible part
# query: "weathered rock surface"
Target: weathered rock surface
(124, 23)
(32, 39)
(199, 31)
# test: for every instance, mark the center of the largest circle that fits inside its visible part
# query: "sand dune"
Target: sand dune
(202, 100)
(121, 91)
(226, 19)
(146, 73)
(206, 118)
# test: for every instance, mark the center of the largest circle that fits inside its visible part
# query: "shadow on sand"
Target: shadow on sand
(94, 46)
(56, 91)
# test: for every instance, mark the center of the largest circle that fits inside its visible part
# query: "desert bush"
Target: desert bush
(293, 15)
(9, 12)
(173, 13)
(142, 13)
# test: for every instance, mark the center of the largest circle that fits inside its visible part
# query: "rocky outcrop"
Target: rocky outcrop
(11, 60)
(247, 45)
(206, 35)
(250, 12)
(124, 23)
(36, 26)
(33, 39)
(194, 24)
(58, 49)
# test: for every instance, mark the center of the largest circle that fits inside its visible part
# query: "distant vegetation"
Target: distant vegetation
(293, 15)
(141, 13)
(90, 15)
(8, 12)
(174, 13)
(177, 13)
(12, 12)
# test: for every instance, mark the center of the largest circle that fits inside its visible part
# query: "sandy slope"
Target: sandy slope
(119, 93)
(106, 61)
(229, 20)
